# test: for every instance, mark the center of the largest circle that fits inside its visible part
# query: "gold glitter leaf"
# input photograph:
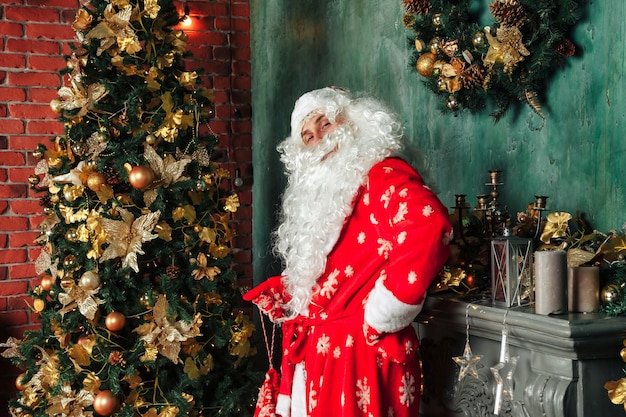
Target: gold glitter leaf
(127, 236)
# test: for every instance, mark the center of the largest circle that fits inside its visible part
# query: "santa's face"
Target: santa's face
(316, 127)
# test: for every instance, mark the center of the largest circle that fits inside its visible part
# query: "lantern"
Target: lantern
(511, 271)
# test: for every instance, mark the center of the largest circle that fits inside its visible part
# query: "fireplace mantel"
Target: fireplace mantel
(564, 360)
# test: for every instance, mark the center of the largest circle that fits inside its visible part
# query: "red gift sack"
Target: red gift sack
(268, 395)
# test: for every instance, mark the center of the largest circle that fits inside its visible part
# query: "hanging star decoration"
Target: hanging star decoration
(503, 374)
(468, 363)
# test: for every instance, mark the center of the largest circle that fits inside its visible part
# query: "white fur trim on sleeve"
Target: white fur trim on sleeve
(385, 313)
(283, 405)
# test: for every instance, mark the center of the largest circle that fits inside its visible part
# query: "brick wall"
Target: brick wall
(34, 36)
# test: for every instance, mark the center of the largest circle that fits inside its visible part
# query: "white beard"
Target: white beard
(323, 183)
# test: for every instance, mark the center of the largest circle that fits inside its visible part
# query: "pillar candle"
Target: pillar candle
(583, 289)
(550, 282)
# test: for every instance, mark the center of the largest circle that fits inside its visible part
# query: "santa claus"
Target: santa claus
(361, 238)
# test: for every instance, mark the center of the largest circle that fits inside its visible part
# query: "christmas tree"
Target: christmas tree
(138, 302)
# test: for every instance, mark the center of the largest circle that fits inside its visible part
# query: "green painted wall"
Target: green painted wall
(575, 158)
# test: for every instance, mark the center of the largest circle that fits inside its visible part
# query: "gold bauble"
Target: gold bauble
(452, 104)
(151, 139)
(79, 148)
(71, 235)
(56, 105)
(436, 19)
(47, 282)
(70, 194)
(70, 261)
(105, 403)
(435, 45)
(478, 39)
(115, 321)
(95, 181)
(90, 280)
(609, 294)
(141, 176)
(425, 64)
(20, 383)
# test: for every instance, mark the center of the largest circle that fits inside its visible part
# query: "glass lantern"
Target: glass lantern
(511, 271)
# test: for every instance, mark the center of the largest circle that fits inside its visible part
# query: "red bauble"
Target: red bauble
(105, 403)
(141, 176)
(115, 321)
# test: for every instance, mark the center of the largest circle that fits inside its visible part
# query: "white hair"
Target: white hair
(323, 181)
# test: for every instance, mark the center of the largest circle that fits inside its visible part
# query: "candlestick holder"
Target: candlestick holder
(539, 207)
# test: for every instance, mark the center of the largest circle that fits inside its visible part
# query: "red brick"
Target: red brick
(14, 317)
(12, 93)
(11, 126)
(46, 63)
(35, 221)
(3, 111)
(68, 4)
(4, 272)
(20, 174)
(26, 207)
(31, 111)
(42, 95)
(12, 256)
(22, 271)
(207, 9)
(4, 239)
(11, 223)
(32, 46)
(15, 159)
(41, 127)
(50, 31)
(12, 191)
(14, 30)
(31, 14)
(4, 205)
(232, 25)
(242, 10)
(13, 61)
(34, 79)
(29, 143)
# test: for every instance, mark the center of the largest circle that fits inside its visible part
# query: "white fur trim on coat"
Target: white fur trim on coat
(385, 313)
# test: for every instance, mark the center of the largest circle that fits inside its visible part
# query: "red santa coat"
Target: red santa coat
(357, 345)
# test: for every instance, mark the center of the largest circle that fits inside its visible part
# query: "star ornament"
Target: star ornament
(503, 374)
(126, 236)
(468, 362)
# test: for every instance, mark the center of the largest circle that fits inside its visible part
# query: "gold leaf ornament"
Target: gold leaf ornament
(556, 226)
(126, 236)
(506, 47)
(151, 8)
(166, 334)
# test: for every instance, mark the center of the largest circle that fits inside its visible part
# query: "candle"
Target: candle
(550, 282)
(583, 289)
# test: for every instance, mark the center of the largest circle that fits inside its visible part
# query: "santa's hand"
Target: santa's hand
(268, 297)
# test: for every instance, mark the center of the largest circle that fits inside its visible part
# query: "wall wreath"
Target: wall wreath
(507, 61)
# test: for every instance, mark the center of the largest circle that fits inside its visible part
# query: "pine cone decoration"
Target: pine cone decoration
(116, 358)
(417, 6)
(172, 271)
(508, 13)
(473, 77)
(111, 175)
